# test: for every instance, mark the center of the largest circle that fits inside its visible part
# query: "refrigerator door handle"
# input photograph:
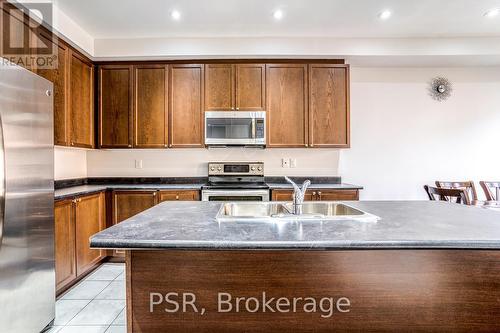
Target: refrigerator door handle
(2, 182)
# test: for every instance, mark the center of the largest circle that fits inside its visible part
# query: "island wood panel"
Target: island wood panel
(65, 257)
(115, 106)
(81, 103)
(90, 218)
(329, 106)
(59, 78)
(317, 195)
(178, 195)
(388, 290)
(219, 87)
(250, 87)
(186, 120)
(287, 95)
(150, 106)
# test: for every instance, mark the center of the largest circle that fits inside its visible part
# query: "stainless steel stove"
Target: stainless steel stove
(235, 181)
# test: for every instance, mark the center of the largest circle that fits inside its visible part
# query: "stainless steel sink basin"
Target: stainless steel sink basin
(276, 211)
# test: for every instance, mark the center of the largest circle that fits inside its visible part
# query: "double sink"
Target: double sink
(282, 211)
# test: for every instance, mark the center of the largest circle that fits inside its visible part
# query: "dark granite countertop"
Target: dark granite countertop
(403, 224)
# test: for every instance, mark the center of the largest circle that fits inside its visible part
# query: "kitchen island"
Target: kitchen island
(424, 266)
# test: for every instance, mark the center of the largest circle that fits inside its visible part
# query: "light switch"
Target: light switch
(138, 164)
(293, 163)
(285, 162)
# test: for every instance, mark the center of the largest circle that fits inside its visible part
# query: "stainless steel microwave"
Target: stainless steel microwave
(235, 128)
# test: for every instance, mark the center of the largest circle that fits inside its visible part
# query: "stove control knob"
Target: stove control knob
(252, 168)
(212, 168)
(259, 168)
(219, 169)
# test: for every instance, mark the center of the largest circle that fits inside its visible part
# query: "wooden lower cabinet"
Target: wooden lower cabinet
(129, 203)
(178, 196)
(318, 195)
(75, 222)
(64, 243)
(90, 218)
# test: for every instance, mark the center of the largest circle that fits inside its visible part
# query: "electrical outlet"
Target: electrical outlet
(138, 164)
(293, 163)
(285, 162)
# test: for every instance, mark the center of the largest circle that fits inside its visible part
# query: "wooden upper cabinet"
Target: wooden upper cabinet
(59, 77)
(115, 106)
(287, 96)
(64, 243)
(329, 106)
(250, 87)
(186, 121)
(81, 104)
(90, 218)
(219, 87)
(150, 106)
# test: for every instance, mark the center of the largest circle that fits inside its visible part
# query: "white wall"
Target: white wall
(69, 163)
(402, 139)
(193, 162)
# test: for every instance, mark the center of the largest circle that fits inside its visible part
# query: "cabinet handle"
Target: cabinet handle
(237, 108)
(177, 197)
(72, 143)
(319, 193)
(154, 193)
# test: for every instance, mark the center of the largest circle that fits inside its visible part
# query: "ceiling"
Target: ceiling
(116, 19)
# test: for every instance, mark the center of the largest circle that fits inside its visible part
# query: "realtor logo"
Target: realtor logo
(22, 40)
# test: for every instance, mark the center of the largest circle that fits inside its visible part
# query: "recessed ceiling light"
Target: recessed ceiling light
(176, 15)
(492, 12)
(385, 15)
(278, 14)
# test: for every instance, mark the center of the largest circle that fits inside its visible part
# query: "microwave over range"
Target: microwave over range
(235, 128)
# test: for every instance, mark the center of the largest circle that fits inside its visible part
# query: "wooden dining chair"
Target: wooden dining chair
(468, 186)
(491, 190)
(456, 195)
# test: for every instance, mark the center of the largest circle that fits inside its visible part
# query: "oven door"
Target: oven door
(235, 128)
(235, 195)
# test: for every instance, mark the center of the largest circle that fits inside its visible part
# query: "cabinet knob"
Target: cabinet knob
(154, 193)
(72, 143)
(170, 145)
(312, 145)
(306, 145)
(177, 197)
(166, 145)
(237, 108)
(130, 146)
(319, 193)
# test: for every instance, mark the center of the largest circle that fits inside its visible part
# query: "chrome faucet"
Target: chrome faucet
(298, 195)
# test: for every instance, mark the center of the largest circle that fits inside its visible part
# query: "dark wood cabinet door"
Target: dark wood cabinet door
(287, 195)
(337, 195)
(64, 243)
(59, 77)
(219, 87)
(90, 218)
(318, 195)
(250, 87)
(182, 195)
(329, 106)
(150, 106)
(81, 101)
(186, 119)
(287, 120)
(115, 106)
(129, 203)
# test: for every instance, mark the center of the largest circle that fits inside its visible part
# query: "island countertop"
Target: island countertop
(403, 224)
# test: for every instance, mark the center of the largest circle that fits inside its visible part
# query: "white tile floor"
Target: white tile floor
(95, 305)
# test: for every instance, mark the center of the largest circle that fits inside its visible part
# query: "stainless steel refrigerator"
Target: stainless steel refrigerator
(27, 275)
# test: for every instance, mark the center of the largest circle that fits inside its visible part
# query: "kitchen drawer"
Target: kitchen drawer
(176, 195)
